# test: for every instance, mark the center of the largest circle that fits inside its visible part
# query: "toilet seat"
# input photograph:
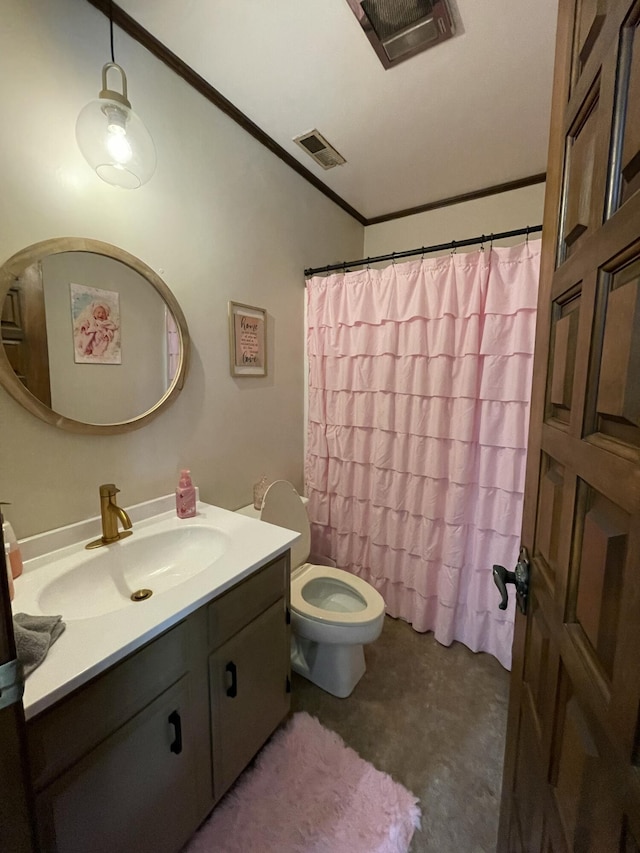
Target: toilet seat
(372, 602)
(282, 505)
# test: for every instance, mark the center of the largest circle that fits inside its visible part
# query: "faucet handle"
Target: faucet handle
(108, 490)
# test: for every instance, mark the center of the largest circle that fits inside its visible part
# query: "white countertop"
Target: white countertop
(89, 646)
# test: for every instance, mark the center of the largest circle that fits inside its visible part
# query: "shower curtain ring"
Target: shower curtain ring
(491, 242)
(393, 258)
(527, 237)
(454, 248)
(423, 251)
(482, 243)
(368, 263)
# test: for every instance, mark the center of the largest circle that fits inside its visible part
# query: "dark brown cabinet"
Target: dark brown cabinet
(137, 758)
(134, 791)
(249, 694)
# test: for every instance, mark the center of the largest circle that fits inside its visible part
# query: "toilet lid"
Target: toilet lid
(307, 574)
(281, 505)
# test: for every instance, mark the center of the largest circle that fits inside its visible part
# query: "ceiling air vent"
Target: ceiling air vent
(399, 29)
(317, 147)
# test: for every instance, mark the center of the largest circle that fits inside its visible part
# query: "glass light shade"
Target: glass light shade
(114, 140)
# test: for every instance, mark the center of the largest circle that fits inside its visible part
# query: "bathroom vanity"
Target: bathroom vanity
(136, 757)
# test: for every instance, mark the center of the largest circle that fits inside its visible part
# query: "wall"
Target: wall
(221, 219)
(492, 214)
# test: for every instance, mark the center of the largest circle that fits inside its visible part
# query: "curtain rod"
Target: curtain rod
(424, 250)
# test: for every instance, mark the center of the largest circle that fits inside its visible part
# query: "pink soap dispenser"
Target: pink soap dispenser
(185, 496)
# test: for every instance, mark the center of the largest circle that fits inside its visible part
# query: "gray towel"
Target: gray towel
(34, 637)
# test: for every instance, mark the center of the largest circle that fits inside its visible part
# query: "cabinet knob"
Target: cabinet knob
(176, 722)
(232, 691)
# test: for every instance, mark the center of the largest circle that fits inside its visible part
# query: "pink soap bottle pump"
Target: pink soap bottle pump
(185, 495)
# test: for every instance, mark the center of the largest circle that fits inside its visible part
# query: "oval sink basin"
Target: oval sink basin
(104, 580)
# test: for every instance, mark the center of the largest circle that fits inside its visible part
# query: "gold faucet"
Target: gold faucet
(110, 512)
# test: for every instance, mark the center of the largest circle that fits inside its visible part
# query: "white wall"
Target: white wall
(221, 219)
(492, 214)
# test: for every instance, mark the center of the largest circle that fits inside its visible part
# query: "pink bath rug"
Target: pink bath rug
(308, 792)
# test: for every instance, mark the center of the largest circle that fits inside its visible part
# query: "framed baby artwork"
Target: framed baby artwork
(95, 315)
(247, 340)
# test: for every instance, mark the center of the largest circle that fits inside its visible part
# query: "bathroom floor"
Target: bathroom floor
(434, 718)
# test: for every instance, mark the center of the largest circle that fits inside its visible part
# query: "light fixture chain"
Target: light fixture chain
(111, 28)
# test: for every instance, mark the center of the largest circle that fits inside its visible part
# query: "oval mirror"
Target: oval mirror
(93, 340)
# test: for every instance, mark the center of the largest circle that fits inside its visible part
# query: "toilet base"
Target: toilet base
(333, 667)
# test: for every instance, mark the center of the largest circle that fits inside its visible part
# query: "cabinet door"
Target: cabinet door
(133, 791)
(250, 692)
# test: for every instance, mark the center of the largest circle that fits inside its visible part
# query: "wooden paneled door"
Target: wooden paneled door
(24, 332)
(572, 764)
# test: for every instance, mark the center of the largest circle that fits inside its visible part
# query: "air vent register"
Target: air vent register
(317, 147)
(399, 29)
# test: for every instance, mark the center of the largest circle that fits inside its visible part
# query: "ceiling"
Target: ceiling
(468, 114)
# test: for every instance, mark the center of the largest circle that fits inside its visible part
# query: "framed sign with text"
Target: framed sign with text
(247, 340)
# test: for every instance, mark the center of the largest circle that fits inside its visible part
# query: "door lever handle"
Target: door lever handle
(520, 579)
(501, 577)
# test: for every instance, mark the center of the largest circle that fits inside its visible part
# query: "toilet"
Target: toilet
(333, 613)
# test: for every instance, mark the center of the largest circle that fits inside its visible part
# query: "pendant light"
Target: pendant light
(112, 138)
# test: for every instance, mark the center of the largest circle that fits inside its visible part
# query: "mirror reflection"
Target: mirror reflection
(93, 337)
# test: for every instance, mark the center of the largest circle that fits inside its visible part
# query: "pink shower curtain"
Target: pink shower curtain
(419, 387)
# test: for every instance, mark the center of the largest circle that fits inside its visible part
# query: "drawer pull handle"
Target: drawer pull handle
(176, 722)
(232, 691)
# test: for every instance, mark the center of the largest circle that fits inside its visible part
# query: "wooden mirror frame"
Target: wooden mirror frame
(16, 264)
